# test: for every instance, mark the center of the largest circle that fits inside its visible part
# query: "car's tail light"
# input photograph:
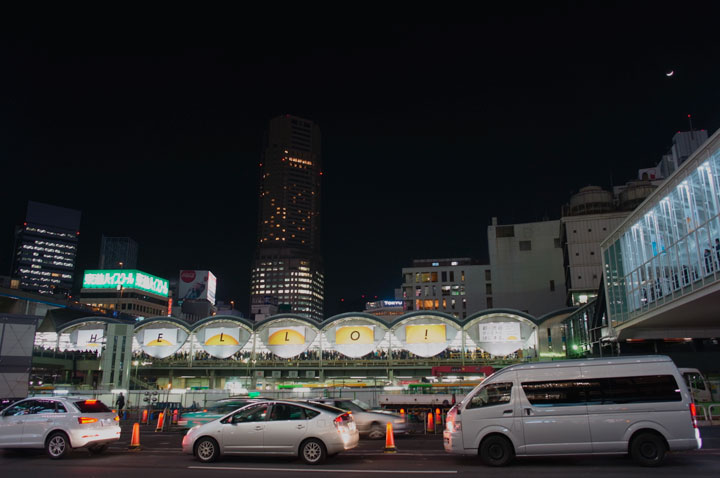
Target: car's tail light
(84, 420)
(117, 418)
(693, 414)
(340, 421)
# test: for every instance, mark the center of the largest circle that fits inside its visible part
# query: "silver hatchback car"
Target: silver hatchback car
(312, 431)
(58, 424)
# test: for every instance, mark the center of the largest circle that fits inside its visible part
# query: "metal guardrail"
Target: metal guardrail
(710, 412)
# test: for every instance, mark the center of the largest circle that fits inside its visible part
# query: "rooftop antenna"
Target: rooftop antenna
(692, 135)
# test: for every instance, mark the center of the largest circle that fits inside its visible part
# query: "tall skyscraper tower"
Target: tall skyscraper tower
(46, 246)
(288, 262)
(118, 253)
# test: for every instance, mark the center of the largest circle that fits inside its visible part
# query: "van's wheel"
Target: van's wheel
(648, 449)
(207, 450)
(496, 451)
(57, 445)
(313, 451)
(376, 431)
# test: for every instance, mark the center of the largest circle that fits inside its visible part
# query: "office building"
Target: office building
(456, 286)
(46, 247)
(589, 218)
(263, 307)
(288, 261)
(526, 261)
(118, 253)
(684, 144)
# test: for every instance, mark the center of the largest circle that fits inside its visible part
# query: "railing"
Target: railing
(314, 363)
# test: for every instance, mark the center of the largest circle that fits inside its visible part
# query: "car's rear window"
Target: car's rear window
(92, 406)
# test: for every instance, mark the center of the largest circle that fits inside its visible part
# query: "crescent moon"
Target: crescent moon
(670, 73)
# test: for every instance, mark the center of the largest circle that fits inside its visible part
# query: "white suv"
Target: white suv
(58, 424)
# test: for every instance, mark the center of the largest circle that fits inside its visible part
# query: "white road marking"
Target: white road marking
(316, 470)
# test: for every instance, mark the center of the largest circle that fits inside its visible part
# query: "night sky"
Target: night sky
(428, 131)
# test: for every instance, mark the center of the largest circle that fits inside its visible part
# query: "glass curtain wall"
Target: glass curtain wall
(673, 250)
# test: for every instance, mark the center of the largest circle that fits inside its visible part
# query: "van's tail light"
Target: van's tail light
(117, 418)
(84, 420)
(693, 414)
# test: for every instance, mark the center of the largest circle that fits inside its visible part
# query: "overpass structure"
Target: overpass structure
(661, 278)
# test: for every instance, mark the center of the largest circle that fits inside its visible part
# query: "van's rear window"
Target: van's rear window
(92, 406)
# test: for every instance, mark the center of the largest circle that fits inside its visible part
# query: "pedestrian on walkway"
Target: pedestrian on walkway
(120, 402)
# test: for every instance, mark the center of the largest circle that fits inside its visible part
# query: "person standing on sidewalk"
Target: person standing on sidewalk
(120, 402)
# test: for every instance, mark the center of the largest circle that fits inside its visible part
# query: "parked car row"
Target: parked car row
(639, 406)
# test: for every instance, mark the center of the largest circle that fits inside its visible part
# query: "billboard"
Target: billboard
(501, 337)
(125, 279)
(194, 284)
(221, 339)
(161, 340)
(355, 337)
(89, 338)
(426, 336)
(288, 338)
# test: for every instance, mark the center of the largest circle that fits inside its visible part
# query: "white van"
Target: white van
(635, 405)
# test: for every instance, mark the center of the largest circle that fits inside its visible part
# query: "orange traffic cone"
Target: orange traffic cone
(430, 423)
(144, 419)
(135, 439)
(161, 420)
(175, 417)
(389, 439)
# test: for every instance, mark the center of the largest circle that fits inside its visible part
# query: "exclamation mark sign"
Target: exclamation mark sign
(426, 331)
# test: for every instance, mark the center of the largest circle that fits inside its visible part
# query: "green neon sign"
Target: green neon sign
(127, 279)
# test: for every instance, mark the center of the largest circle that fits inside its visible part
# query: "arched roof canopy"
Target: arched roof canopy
(479, 316)
(279, 317)
(86, 320)
(155, 320)
(425, 313)
(223, 318)
(560, 313)
(347, 316)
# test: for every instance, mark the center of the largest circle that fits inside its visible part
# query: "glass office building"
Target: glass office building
(669, 247)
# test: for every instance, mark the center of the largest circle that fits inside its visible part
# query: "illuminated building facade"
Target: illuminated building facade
(288, 261)
(46, 246)
(126, 291)
(386, 309)
(457, 287)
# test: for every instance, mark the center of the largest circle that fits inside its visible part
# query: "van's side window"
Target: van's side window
(597, 391)
(555, 393)
(646, 389)
(493, 394)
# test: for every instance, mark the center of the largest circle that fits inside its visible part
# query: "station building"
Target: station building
(287, 349)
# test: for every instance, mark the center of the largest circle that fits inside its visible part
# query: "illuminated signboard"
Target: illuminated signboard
(127, 279)
(392, 303)
(196, 284)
